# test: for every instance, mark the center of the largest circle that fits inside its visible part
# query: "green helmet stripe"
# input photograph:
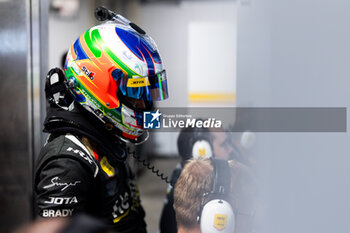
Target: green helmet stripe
(129, 71)
(160, 85)
(70, 72)
(113, 114)
(94, 38)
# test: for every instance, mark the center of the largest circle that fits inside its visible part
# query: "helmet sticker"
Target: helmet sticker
(138, 82)
(106, 167)
(110, 60)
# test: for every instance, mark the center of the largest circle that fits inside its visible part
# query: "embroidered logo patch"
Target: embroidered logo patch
(106, 167)
(220, 221)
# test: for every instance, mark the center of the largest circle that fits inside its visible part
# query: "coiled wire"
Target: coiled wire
(150, 167)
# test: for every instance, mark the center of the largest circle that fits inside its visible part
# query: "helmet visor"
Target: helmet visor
(151, 88)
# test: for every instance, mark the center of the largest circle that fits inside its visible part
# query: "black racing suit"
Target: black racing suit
(69, 179)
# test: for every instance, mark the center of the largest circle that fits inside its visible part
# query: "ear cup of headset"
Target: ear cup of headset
(217, 217)
(201, 144)
(187, 143)
(201, 149)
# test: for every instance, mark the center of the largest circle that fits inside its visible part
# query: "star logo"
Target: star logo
(151, 120)
(156, 115)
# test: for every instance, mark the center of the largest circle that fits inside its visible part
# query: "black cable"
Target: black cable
(102, 14)
(152, 168)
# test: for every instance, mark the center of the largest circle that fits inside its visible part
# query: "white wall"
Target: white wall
(175, 28)
(64, 31)
(297, 53)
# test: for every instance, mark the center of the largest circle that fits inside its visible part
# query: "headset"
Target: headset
(201, 144)
(57, 89)
(194, 143)
(217, 215)
(202, 149)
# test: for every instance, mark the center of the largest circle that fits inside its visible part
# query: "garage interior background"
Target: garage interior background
(272, 54)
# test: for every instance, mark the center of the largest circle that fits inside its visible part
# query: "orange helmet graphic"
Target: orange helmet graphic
(117, 73)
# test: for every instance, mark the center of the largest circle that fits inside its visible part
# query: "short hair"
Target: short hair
(196, 179)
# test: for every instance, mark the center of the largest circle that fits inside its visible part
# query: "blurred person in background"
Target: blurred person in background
(231, 145)
(222, 146)
(208, 202)
(112, 74)
(191, 143)
(242, 138)
(242, 144)
(194, 143)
